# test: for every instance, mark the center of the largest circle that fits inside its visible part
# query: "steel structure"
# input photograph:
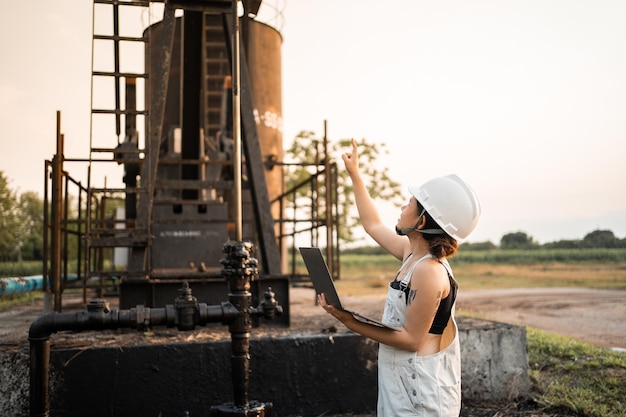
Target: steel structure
(176, 143)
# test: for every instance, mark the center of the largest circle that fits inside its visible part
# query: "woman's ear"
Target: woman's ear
(421, 223)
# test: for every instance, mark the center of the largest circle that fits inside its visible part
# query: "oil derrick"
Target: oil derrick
(178, 187)
(175, 192)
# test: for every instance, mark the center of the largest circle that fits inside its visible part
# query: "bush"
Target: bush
(20, 269)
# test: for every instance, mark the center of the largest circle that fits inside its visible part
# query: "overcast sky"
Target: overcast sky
(524, 99)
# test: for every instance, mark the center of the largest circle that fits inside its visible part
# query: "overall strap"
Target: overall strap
(407, 277)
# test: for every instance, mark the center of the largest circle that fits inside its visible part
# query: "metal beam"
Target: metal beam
(160, 76)
(255, 168)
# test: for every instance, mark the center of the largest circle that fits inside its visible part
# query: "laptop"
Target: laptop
(323, 283)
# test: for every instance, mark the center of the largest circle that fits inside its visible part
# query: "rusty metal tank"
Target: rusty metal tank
(263, 50)
(262, 44)
(202, 61)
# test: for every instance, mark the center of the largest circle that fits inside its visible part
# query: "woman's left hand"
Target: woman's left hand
(338, 313)
(321, 300)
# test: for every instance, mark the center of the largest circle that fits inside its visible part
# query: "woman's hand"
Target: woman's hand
(342, 316)
(351, 160)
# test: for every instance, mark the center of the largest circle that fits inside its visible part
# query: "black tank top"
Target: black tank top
(444, 311)
(445, 307)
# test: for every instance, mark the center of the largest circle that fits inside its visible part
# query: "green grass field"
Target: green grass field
(576, 378)
(362, 274)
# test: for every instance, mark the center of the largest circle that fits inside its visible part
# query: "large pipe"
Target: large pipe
(57, 206)
(19, 285)
(184, 314)
(239, 269)
(239, 266)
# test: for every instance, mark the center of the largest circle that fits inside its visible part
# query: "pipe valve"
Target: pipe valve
(269, 307)
(186, 305)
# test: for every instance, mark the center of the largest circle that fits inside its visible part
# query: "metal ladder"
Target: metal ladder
(99, 233)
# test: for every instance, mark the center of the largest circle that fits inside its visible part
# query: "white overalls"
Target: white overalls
(413, 385)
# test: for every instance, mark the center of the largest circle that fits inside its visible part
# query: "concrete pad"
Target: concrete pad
(300, 375)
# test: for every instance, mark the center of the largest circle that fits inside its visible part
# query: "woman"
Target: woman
(419, 368)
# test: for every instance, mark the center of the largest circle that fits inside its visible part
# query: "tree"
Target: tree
(517, 240)
(306, 150)
(10, 227)
(31, 214)
(487, 245)
(601, 239)
(563, 244)
(21, 224)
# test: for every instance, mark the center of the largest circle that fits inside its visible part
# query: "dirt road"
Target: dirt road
(590, 315)
(594, 316)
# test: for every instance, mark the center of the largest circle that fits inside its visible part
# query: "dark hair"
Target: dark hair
(441, 245)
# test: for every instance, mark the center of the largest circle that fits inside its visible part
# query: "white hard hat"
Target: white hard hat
(451, 203)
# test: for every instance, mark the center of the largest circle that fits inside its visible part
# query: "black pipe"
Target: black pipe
(39, 376)
(99, 317)
(239, 267)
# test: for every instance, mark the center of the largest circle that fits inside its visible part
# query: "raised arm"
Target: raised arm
(370, 219)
